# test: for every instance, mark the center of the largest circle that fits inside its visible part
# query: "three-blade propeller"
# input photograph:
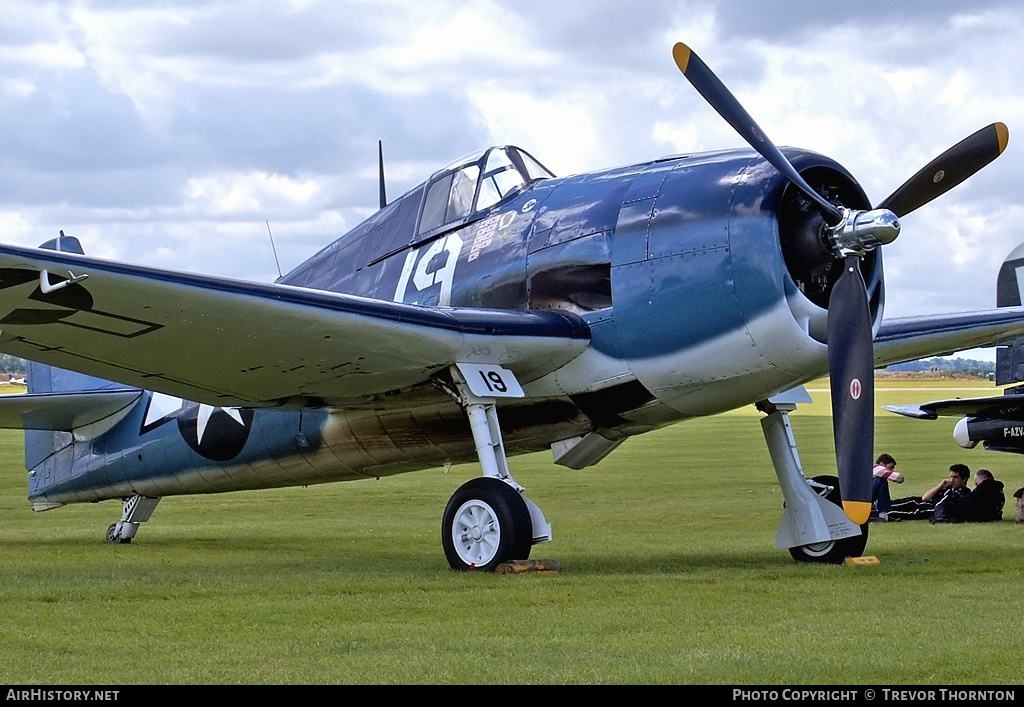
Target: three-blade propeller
(852, 234)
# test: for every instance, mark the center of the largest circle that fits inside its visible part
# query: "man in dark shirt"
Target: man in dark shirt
(983, 504)
(946, 491)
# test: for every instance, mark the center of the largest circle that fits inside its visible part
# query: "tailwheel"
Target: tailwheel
(486, 523)
(114, 535)
(832, 552)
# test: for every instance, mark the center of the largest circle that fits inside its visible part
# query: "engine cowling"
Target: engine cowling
(721, 279)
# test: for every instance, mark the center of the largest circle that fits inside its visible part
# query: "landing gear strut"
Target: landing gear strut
(814, 526)
(488, 521)
(137, 509)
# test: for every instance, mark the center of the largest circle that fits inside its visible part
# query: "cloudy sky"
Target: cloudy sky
(168, 132)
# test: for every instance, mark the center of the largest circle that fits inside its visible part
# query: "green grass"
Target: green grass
(671, 576)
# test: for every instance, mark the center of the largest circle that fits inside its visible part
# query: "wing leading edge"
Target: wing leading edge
(230, 342)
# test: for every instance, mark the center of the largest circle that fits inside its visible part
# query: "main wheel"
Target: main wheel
(486, 523)
(832, 551)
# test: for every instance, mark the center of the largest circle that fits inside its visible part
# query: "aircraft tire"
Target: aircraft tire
(486, 523)
(833, 552)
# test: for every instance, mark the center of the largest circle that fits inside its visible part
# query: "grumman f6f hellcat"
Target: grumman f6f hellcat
(491, 311)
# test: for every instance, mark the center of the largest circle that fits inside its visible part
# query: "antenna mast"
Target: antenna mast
(274, 247)
(380, 158)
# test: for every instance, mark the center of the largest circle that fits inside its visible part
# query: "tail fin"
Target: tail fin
(60, 404)
(1009, 285)
(46, 379)
(65, 244)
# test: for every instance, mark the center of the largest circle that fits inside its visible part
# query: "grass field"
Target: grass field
(671, 576)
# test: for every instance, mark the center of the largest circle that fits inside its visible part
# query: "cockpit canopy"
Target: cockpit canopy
(455, 195)
(474, 183)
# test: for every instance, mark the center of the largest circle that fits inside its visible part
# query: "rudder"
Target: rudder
(1009, 284)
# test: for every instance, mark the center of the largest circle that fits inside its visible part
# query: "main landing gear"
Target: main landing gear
(814, 526)
(137, 509)
(488, 521)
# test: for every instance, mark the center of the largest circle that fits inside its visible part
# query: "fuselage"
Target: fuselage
(679, 267)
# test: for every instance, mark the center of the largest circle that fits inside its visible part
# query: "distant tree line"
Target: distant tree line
(11, 364)
(963, 366)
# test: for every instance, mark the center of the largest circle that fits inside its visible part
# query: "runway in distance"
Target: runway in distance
(494, 310)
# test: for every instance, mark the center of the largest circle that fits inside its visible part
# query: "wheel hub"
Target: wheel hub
(478, 531)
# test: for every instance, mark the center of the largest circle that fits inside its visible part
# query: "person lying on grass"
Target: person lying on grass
(946, 491)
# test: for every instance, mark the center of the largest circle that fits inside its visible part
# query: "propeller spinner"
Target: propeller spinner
(850, 235)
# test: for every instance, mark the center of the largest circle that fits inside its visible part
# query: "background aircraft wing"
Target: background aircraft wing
(996, 406)
(911, 338)
(228, 342)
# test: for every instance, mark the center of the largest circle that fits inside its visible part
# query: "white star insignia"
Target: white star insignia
(163, 406)
(205, 411)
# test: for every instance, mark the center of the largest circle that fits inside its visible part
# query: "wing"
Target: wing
(996, 406)
(228, 342)
(911, 338)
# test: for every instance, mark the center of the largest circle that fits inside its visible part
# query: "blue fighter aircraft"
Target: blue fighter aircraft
(491, 311)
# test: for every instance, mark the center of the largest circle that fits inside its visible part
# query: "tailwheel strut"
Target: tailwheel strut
(137, 510)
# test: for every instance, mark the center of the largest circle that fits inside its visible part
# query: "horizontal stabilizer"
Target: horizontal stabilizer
(62, 411)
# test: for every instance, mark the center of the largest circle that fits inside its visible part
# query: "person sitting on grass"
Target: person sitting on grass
(946, 491)
(883, 473)
(983, 504)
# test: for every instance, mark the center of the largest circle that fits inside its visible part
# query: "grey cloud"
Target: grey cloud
(268, 32)
(71, 123)
(788, 20)
(327, 130)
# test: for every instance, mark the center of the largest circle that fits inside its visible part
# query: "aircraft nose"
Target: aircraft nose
(961, 436)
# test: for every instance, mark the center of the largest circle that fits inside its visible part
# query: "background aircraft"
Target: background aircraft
(995, 421)
(587, 309)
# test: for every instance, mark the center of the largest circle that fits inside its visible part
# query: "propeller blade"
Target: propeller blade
(719, 97)
(949, 169)
(851, 374)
